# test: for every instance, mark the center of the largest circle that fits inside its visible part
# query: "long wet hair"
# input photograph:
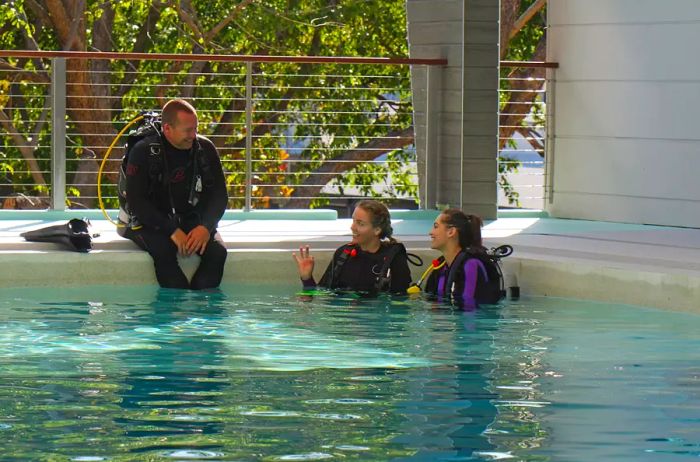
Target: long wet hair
(468, 228)
(380, 216)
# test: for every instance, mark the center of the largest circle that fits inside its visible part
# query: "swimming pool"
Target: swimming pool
(255, 373)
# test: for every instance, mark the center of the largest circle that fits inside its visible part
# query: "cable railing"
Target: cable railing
(292, 132)
(523, 134)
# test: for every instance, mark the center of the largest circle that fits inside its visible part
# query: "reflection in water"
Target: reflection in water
(167, 374)
(168, 391)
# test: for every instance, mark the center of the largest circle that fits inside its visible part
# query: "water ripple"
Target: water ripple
(271, 413)
(307, 456)
(339, 401)
(192, 454)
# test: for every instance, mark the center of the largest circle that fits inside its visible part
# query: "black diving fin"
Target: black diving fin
(74, 235)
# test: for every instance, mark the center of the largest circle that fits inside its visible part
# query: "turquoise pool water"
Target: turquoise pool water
(256, 374)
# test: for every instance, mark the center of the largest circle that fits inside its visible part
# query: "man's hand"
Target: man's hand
(197, 240)
(179, 238)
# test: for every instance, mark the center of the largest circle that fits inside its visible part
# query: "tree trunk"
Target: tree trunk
(509, 16)
(329, 171)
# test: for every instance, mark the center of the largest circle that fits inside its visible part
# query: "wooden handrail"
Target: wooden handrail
(547, 64)
(249, 58)
(222, 58)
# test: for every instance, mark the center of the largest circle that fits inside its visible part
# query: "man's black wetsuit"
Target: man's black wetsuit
(150, 202)
(360, 270)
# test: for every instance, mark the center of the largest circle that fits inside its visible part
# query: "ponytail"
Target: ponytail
(468, 228)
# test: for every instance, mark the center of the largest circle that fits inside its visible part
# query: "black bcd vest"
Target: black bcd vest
(150, 132)
(382, 280)
(487, 292)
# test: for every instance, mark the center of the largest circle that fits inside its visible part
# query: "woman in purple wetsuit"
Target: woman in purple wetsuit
(462, 275)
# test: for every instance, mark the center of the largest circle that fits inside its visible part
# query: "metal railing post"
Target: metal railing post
(58, 134)
(549, 153)
(425, 203)
(248, 135)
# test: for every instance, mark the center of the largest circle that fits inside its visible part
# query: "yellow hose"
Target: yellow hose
(102, 166)
(415, 288)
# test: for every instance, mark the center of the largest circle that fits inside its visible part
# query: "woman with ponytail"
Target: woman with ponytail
(467, 277)
(372, 262)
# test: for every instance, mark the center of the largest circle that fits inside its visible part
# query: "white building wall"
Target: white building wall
(626, 134)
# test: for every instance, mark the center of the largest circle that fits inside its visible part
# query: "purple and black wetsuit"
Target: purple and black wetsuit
(469, 274)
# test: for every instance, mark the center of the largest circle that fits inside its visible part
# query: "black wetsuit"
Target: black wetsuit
(361, 271)
(150, 201)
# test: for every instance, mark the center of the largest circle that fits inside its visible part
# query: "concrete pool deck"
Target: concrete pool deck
(636, 264)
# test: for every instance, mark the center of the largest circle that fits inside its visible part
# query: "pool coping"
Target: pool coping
(633, 264)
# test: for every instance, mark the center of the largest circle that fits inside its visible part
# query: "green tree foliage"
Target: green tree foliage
(325, 112)
(312, 123)
(523, 31)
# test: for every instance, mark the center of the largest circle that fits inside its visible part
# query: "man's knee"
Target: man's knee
(164, 256)
(161, 249)
(215, 252)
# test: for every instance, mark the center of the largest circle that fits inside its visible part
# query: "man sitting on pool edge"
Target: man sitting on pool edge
(180, 209)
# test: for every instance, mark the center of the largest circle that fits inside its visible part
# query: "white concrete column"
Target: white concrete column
(464, 145)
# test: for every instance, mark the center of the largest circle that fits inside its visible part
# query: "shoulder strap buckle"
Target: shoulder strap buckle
(154, 149)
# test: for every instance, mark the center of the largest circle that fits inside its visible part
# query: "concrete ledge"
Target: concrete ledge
(633, 264)
(93, 214)
(312, 214)
(423, 215)
(591, 281)
(522, 213)
(104, 267)
(274, 214)
(574, 278)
